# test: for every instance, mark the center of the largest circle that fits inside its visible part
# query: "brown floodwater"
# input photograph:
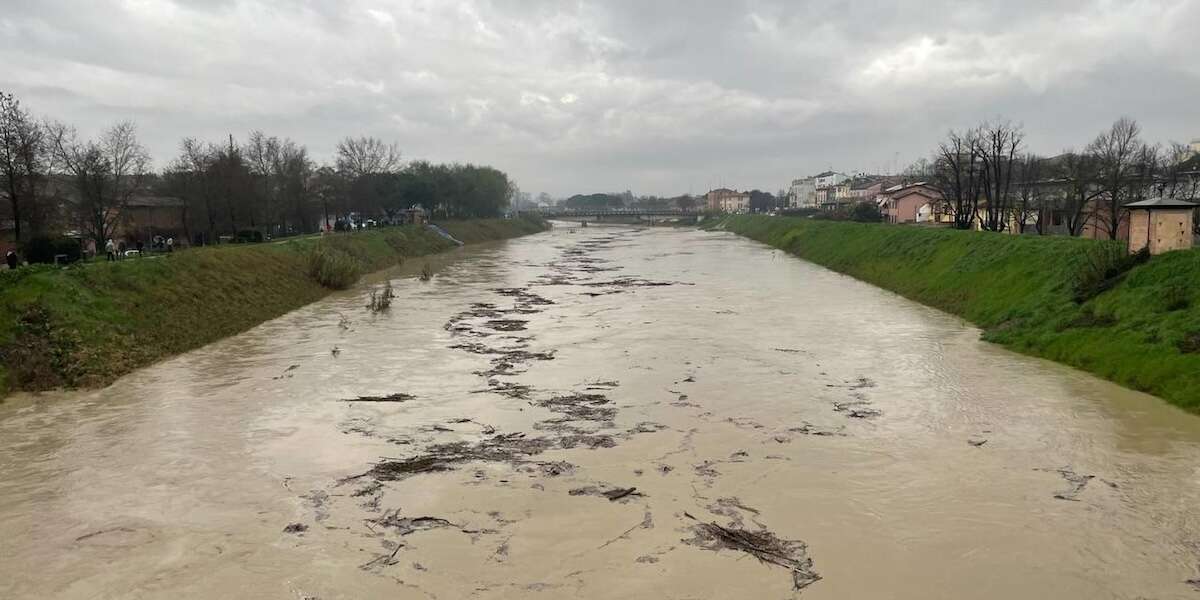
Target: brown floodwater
(738, 389)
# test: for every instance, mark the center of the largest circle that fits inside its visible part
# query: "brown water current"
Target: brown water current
(602, 412)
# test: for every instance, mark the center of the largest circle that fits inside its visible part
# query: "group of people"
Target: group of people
(114, 251)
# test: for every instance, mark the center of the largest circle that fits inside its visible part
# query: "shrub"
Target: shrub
(866, 212)
(381, 300)
(1103, 267)
(249, 236)
(44, 249)
(1176, 297)
(333, 268)
(1190, 344)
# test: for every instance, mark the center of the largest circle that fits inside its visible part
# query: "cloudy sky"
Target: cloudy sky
(657, 96)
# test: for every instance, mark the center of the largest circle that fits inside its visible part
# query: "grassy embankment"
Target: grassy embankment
(1140, 329)
(87, 325)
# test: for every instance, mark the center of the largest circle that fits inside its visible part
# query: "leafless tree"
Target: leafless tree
(293, 170)
(997, 145)
(23, 163)
(261, 154)
(361, 156)
(1121, 162)
(957, 175)
(1077, 174)
(106, 173)
(1029, 205)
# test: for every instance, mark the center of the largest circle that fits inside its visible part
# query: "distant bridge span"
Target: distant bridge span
(615, 212)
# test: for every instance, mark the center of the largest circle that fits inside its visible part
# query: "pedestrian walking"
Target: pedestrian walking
(111, 250)
(170, 244)
(11, 259)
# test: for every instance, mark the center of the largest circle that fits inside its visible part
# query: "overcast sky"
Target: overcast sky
(657, 96)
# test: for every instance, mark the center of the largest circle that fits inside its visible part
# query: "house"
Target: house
(1161, 225)
(145, 216)
(911, 203)
(803, 193)
(727, 201)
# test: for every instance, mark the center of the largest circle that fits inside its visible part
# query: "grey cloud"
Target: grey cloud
(660, 97)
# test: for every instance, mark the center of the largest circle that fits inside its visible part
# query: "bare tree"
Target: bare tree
(106, 173)
(190, 170)
(261, 154)
(1121, 163)
(361, 156)
(1029, 205)
(293, 172)
(1078, 173)
(956, 173)
(997, 145)
(23, 163)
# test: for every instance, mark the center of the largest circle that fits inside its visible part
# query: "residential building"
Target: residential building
(911, 203)
(829, 178)
(803, 193)
(727, 201)
(145, 216)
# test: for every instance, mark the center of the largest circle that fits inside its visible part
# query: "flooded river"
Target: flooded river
(602, 413)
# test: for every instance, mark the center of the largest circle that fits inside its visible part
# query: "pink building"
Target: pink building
(912, 203)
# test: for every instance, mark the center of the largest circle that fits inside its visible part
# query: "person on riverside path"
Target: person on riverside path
(111, 249)
(11, 259)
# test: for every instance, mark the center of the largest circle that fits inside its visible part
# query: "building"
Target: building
(803, 193)
(727, 201)
(1161, 224)
(145, 216)
(911, 203)
(829, 179)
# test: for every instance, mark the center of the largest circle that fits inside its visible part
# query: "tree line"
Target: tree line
(56, 180)
(988, 176)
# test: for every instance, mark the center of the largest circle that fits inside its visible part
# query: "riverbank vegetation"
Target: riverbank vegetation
(66, 196)
(1135, 321)
(91, 323)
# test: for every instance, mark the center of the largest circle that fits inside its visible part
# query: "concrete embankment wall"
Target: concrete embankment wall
(1137, 324)
(86, 325)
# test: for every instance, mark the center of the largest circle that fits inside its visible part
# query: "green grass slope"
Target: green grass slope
(87, 325)
(1142, 332)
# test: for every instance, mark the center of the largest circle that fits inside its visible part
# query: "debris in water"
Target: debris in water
(406, 525)
(287, 373)
(507, 324)
(614, 494)
(807, 428)
(512, 448)
(1077, 482)
(977, 442)
(296, 528)
(762, 544)
(398, 397)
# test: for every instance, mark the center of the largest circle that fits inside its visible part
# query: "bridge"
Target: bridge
(600, 213)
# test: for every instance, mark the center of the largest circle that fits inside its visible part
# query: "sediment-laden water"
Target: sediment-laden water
(602, 413)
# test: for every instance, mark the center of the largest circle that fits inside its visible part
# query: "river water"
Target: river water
(860, 445)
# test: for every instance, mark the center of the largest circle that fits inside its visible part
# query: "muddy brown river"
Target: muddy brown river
(602, 412)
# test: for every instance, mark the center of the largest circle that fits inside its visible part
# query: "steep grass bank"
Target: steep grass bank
(87, 325)
(1142, 330)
